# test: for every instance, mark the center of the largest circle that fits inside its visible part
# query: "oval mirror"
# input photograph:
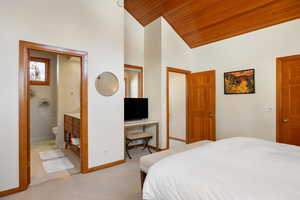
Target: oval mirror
(107, 84)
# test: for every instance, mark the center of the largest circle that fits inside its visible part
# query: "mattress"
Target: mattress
(229, 169)
(147, 161)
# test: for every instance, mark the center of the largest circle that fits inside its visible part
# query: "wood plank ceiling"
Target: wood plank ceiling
(200, 22)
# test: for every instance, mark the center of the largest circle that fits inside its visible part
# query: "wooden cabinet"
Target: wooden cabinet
(72, 133)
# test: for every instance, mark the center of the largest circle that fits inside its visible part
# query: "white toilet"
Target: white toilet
(55, 131)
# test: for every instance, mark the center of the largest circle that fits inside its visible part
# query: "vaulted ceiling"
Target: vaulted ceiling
(200, 22)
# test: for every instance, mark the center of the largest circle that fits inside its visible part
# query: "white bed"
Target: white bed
(229, 169)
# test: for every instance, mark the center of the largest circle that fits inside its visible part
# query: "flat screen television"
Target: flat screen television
(135, 109)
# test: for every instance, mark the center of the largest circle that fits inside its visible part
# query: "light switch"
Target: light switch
(268, 109)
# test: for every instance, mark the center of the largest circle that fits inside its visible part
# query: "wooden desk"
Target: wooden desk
(144, 124)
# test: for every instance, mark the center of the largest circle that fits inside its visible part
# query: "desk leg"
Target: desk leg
(127, 149)
(125, 145)
(157, 137)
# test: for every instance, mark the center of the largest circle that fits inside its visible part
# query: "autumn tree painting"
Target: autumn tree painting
(239, 82)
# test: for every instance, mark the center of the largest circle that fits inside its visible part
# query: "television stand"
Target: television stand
(136, 121)
(143, 124)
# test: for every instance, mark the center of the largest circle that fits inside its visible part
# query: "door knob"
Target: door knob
(285, 120)
(211, 115)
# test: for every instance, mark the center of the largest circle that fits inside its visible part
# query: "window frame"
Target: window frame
(47, 70)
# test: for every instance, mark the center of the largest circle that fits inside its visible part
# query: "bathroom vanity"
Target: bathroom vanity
(72, 132)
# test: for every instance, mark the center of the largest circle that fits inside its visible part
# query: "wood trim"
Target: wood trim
(127, 88)
(180, 71)
(24, 125)
(11, 191)
(47, 72)
(133, 67)
(177, 139)
(141, 78)
(168, 107)
(278, 97)
(141, 84)
(163, 149)
(176, 70)
(52, 49)
(213, 106)
(24, 170)
(84, 114)
(108, 165)
(279, 82)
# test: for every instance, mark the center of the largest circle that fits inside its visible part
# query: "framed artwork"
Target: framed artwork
(239, 82)
(39, 71)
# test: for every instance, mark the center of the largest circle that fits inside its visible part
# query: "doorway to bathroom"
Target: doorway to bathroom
(53, 113)
(177, 106)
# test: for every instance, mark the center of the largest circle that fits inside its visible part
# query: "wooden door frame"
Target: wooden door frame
(141, 79)
(279, 82)
(24, 115)
(186, 73)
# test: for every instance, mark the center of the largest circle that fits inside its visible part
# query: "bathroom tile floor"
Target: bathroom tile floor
(38, 174)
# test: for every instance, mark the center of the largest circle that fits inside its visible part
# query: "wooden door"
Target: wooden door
(202, 112)
(288, 100)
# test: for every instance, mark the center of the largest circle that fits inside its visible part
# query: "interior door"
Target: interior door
(288, 99)
(202, 112)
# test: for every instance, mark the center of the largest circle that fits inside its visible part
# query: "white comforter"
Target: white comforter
(230, 169)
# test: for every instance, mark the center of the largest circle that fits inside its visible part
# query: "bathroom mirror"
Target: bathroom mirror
(107, 84)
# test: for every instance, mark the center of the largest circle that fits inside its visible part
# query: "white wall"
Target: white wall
(249, 115)
(152, 71)
(175, 53)
(93, 26)
(158, 46)
(163, 48)
(133, 49)
(237, 115)
(68, 88)
(43, 117)
(134, 41)
(177, 94)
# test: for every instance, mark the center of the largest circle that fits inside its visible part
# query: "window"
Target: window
(39, 71)
(133, 81)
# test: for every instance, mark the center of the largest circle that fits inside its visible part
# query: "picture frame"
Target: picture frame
(239, 82)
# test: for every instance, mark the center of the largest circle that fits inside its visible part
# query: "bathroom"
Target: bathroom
(54, 95)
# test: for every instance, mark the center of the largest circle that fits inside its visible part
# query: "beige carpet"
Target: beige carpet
(117, 183)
